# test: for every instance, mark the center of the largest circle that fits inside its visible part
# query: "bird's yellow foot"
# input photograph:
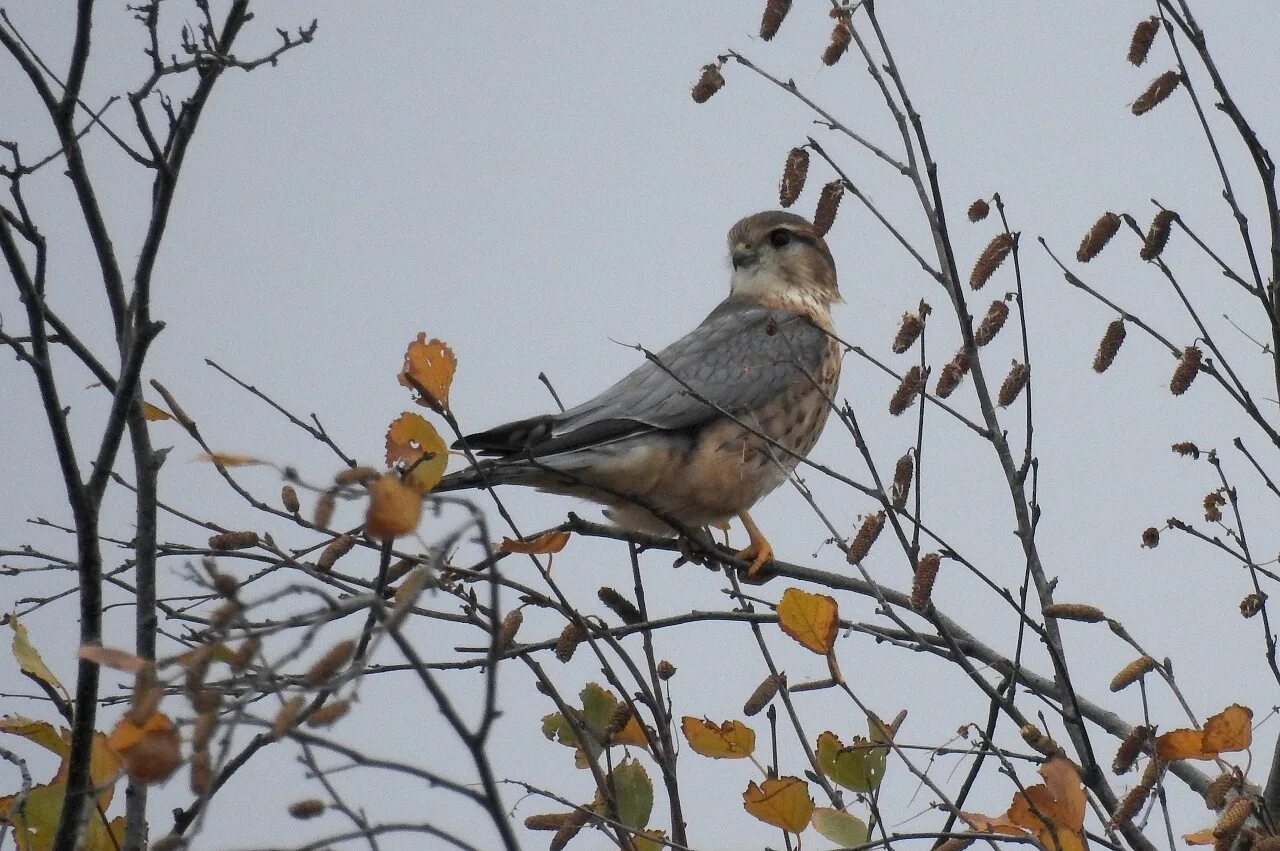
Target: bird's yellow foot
(759, 552)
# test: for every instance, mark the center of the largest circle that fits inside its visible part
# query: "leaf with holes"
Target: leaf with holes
(416, 447)
(428, 371)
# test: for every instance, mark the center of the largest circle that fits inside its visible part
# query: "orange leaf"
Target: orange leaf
(548, 542)
(417, 446)
(394, 508)
(428, 370)
(229, 459)
(1053, 811)
(1229, 730)
(630, 734)
(780, 801)
(810, 619)
(110, 657)
(153, 413)
(729, 740)
(1200, 837)
(151, 752)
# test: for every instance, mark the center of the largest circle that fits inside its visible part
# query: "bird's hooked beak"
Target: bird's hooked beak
(743, 255)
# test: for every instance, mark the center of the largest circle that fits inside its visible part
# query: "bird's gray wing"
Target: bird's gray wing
(740, 357)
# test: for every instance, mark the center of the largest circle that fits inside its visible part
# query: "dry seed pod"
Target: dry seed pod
(1187, 449)
(1098, 236)
(793, 175)
(328, 714)
(955, 843)
(991, 324)
(764, 693)
(1130, 804)
(1131, 673)
(307, 808)
(289, 498)
(1215, 794)
(990, 259)
(911, 385)
(570, 637)
(507, 630)
(618, 719)
(1161, 87)
(233, 540)
(1157, 235)
(708, 84)
(244, 653)
(324, 509)
(775, 12)
(824, 216)
(1013, 384)
(546, 821)
(328, 664)
(1188, 368)
(1252, 604)
(666, 670)
(337, 548)
(1082, 612)
(573, 823)
(1213, 502)
(1131, 748)
(355, 475)
(286, 717)
(908, 332)
(952, 374)
(620, 605)
(979, 210)
(1110, 344)
(1038, 740)
(867, 534)
(1232, 818)
(1143, 34)
(903, 472)
(841, 35)
(1151, 537)
(922, 584)
(201, 772)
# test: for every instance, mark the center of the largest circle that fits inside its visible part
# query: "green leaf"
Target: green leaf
(597, 705)
(859, 767)
(633, 791)
(29, 658)
(843, 829)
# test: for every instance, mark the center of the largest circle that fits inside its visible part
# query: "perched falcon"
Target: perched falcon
(718, 421)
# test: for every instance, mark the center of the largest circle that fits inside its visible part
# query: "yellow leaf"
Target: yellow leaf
(1229, 730)
(1199, 837)
(630, 734)
(29, 658)
(110, 657)
(230, 459)
(1053, 812)
(150, 752)
(780, 801)
(428, 370)
(810, 619)
(548, 542)
(417, 447)
(153, 413)
(42, 733)
(729, 740)
(394, 508)
(859, 767)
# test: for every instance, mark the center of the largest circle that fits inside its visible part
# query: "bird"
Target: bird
(703, 429)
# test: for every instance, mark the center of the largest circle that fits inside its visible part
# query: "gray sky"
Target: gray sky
(533, 184)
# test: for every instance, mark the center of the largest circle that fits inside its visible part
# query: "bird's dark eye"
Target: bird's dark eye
(780, 237)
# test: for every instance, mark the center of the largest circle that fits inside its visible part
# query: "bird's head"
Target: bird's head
(780, 260)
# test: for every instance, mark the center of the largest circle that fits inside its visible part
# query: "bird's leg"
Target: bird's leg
(759, 550)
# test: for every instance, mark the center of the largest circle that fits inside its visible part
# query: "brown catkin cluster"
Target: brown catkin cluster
(337, 548)
(1143, 34)
(1098, 236)
(1081, 612)
(233, 540)
(828, 203)
(289, 498)
(1157, 235)
(507, 630)
(1187, 449)
(328, 664)
(955, 843)
(618, 719)
(908, 332)
(979, 210)
(1252, 604)
(570, 637)
(1213, 502)
(764, 693)
(708, 84)
(324, 509)
(793, 176)
(1013, 384)
(620, 605)
(546, 821)
(1133, 801)
(573, 823)
(1132, 672)
(1111, 341)
(910, 386)
(328, 715)
(952, 374)
(902, 474)
(1215, 794)
(1038, 740)
(355, 475)
(775, 12)
(866, 537)
(307, 808)
(841, 35)
(1131, 748)
(990, 259)
(666, 670)
(1232, 818)
(286, 717)
(1188, 368)
(1151, 537)
(1161, 87)
(922, 584)
(991, 324)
